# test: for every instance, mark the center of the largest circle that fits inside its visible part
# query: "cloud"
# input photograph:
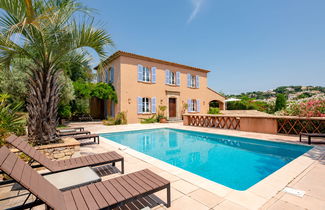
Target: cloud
(196, 9)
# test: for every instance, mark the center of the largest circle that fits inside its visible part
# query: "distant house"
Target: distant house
(143, 84)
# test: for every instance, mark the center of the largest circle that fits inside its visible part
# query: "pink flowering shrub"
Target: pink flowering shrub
(311, 108)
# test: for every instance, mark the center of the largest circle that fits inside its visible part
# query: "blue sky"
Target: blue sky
(247, 44)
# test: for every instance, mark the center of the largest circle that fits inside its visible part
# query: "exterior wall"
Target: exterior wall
(128, 88)
(260, 125)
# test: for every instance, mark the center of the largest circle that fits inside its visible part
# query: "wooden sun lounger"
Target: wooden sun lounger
(71, 128)
(107, 194)
(310, 135)
(73, 133)
(88, 136)
(62, 165)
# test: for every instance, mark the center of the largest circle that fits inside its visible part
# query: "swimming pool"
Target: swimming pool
(235, 162)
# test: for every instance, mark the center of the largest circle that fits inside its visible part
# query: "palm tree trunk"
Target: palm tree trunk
(42, 106)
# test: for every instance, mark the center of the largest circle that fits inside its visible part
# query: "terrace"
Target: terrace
(190, 191)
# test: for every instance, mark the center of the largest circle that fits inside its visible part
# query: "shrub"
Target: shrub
(213, 110)
(11, 121)
(64, 111)
(310, 108)
(120, 119)
(152, 119)
(109, 121)
(280, 102)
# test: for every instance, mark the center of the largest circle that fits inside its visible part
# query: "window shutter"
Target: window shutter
(139, 105)
(189, 104)
(188, 80)
(106, 75)
(112, 109)
(167, 76)
(198, 105)
(140, 72)
(153, 105)
(153, 74)
(197, 81)
(178, 78)
(112, 75)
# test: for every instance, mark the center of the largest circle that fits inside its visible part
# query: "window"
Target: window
(172, 78)
(146, 74)
(193, 81)
(193, 106)
(145, 105)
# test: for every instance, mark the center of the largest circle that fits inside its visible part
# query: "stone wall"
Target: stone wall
(61, 151)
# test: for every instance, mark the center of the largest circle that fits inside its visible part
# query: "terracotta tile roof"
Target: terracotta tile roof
(141, 57)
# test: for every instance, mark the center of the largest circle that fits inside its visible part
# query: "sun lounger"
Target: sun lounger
(107, 194)
(73, 133)
(71, 128)
(89, 136)
(309, 135)
(62, 165)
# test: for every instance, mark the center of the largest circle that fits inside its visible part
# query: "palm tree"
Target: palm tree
(48, 34)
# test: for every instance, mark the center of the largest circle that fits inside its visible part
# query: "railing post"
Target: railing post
(186, 119)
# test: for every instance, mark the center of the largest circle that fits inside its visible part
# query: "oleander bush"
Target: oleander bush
(310, 108)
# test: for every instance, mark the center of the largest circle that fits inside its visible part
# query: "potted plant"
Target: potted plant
(161, 116)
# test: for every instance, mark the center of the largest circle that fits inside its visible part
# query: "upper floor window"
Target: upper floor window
(146, 74)
(193, 81)
(172, 78)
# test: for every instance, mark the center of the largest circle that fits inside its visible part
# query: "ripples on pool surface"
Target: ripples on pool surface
(235, 162)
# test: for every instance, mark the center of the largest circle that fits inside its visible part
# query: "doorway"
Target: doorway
(172, 107)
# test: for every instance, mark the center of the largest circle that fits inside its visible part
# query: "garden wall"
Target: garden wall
(260, 124)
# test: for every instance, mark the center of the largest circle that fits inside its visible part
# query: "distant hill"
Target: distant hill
(292, 93)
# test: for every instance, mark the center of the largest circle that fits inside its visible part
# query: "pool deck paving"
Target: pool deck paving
(190, 191)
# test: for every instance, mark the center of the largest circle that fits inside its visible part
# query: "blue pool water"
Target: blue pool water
(235, 162)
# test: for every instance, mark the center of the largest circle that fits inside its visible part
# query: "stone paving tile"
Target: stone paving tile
(306, 201)
(170, 177)
(175, 194)
(228, 205)
(205, 197)
(246, 199)
(184, 187)
(186, 203)
(282, 205)
(313, 182)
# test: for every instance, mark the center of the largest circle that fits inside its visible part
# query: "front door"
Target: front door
(172, 107)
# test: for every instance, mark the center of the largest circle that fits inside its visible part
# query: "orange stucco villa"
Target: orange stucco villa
(143, 84)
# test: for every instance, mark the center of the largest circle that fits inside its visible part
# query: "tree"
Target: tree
(47, 34)
(280, 102)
